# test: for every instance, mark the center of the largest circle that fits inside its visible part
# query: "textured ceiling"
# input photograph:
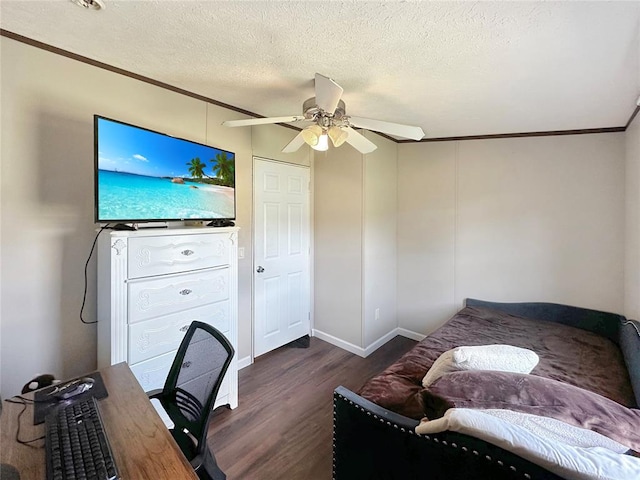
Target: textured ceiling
(453, 68)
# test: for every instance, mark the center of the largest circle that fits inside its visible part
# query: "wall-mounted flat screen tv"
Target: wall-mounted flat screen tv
(147, 176)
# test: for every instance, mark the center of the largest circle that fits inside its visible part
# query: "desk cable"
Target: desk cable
(20, 400)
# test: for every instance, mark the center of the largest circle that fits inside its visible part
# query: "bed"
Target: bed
(580, 349)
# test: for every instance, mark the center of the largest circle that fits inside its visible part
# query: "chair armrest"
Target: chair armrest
(154, 393)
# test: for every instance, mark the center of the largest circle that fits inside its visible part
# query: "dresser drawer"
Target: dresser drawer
(223, 394)
(221, 399)
(155, 297)
(162, 255)
(161, 335)
(152, 374)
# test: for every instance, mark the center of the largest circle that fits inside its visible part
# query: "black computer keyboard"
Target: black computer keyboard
(76, 444)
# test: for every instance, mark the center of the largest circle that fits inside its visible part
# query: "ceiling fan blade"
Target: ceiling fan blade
(397, 129)
(262, 121)
(359, 142)
(294, 144)
(328, 93)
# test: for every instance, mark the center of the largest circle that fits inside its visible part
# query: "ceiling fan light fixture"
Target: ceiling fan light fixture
(337, 135)
(323, 143)
(312, 134)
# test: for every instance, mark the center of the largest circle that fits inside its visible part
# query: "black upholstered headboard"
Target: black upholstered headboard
(602, 323)
(630, 346)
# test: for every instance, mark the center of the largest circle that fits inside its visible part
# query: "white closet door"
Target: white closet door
(281, 255)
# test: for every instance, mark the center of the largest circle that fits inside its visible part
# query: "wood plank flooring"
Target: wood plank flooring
(283, 426)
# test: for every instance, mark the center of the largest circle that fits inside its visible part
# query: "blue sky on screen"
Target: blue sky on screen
(124, 148)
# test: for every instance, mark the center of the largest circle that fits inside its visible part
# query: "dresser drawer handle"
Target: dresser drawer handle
(186, 364)
(186, 291)
(187, 252)
(185, 328)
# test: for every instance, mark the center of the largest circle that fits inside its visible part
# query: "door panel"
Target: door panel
(282, 259)
(296, 307)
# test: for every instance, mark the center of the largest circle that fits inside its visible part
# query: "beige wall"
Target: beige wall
(426, 234)
(46, 192)
(632, 236)
(380, 199)
(528, 219)
(338, 228)
(355, 245)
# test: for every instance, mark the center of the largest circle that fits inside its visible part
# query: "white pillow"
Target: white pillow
(504, 358)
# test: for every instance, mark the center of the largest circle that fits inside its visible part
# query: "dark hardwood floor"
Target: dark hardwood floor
(283, 426)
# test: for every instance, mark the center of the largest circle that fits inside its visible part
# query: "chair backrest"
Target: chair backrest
(194, 379)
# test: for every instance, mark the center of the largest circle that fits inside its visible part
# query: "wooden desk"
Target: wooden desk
(142, 446)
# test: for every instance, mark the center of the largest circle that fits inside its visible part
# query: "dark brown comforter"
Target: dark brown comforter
(567, 354)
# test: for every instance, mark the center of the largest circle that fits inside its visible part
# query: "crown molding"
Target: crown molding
(550, 133)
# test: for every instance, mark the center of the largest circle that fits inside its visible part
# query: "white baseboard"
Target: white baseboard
(410, 334)
(381, 341)
(244, 362)
(349, 347)
(365, 352)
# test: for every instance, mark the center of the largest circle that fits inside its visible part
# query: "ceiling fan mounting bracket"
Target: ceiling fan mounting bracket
(313, 112)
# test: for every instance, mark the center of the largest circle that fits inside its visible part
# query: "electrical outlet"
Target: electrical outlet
(377, 314)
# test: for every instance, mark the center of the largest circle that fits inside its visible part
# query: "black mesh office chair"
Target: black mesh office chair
(190, 391)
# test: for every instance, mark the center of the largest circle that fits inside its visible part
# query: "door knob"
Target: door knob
(259, 269)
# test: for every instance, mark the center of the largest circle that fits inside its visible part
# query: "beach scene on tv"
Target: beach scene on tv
(143, 175)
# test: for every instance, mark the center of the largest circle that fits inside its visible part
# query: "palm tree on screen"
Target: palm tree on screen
(224, 169)
(196, 168)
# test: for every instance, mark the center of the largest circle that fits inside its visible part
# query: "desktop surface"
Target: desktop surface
(142, 446)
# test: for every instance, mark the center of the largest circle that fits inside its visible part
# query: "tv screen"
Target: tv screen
(145, 176)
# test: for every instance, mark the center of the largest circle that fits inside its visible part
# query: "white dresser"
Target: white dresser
(152, 284)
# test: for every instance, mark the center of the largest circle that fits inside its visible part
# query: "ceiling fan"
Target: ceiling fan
(326, 115)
